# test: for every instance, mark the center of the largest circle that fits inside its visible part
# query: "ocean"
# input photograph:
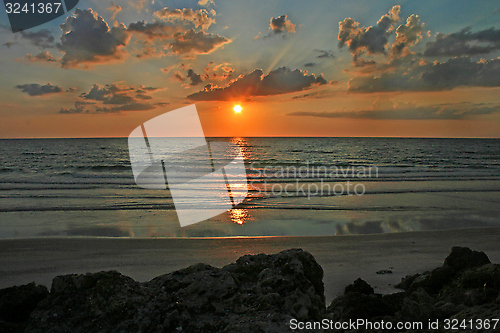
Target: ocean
(296, 186)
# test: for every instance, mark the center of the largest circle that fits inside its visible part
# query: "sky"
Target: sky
(296, 68)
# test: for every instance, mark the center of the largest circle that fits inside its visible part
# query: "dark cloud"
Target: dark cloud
(117, 93)
(87, 40)
(310, 64)
(127, 107)
(151, 31)
(370, 40)
(279, 81)
(431, 76)
(199, 18)
(114, 97)
(42, 39)
(212, 71)
(281, 24)
(325, 54)
(161, 104)
(464, 42)
(41, 57)
(178, 77)
(80, 107)
(411, 112)
(9, 44)
(195, 78)
(77, 109)
(191, 42)
(35, 89)
(218, 71)
(143, 97)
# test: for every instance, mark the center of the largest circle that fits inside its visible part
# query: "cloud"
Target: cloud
(421, 75)
(152, 30)
(117, 93)
(199, 18)
(178, 77)
(35, 89)
(407, 35)
(42, 39)
(9, 44)
(127, 107)
(195, 78)
(212, 71)
(88, 40)
(206, 3)
(191, 42)
(279, 81)
(370, 40)
(310, 64)
(114, 9)
(115, 97)
(139, 5)
(409, 111)
(44, 56)
(79, 108)
(464, 42)
(149, 33)
(325, 54)
(281, 24)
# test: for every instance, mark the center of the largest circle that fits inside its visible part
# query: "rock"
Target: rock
(359, 286)
(259, 293)
(384, 271)
(355, 305)
(16, 304)
(462, 258)
(406, 282)
(359, 301)
(433, 281)
(467, 287)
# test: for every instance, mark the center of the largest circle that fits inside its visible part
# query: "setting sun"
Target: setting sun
(237, 108)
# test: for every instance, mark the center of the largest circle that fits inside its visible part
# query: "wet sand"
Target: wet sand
(343, 258)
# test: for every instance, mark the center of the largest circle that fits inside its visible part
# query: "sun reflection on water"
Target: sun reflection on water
(239, 215)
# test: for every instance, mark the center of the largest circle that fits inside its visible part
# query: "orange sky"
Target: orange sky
(359, 69)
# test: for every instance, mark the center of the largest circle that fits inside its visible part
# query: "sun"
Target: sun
(237, 108)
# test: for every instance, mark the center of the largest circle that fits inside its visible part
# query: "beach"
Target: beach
(343, 258)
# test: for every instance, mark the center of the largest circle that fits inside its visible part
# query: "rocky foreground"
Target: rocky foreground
(259, 293)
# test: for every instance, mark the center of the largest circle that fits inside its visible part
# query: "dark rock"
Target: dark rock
(384, 271)
(462, 258)
(359, 286)
(433, 281)
(466, 287)
(256, 294)
(16, 304)
(360, 301)
(406, 282)
(355, 305)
